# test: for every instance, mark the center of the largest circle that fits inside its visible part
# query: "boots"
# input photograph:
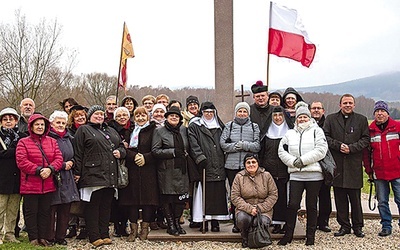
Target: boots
(245, 242)
(285, 240)
(145, 230)
(120, 229)
(178, 226)
(290, 224)
(83, 234)
(71, 232)
(172, 230)
(310, 236)
(310, 241)
(134, 232)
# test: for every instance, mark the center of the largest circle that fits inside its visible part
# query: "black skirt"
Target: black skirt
(216, 200)
(174, 198)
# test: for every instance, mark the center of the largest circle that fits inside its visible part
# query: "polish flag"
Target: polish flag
(287, 36)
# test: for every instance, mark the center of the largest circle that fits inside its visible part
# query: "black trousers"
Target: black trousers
(97, 214)
(244, 220)
(342, 198)
(59, 221)
(324, 205)
(37, 213)
(295, 195)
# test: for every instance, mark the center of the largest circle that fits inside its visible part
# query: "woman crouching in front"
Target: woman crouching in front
(246, 200)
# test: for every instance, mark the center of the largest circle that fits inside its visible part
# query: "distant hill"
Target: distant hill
(379, 87)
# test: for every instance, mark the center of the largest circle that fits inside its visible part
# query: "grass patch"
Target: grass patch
(365, 188)
(25, 245)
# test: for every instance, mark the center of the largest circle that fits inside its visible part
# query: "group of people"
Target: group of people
(181, 157)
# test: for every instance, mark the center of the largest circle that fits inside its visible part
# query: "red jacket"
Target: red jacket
(384, 157)
(30, 160)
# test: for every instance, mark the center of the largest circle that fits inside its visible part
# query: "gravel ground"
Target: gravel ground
(323, 241)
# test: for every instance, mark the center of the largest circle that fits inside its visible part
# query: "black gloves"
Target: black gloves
(203, 164)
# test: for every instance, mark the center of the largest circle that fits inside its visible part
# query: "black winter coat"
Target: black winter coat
(95, 162)
(143, 186)
(205, 145)
(10, 173)
(355, 134)
(260, 116)
(172, 179)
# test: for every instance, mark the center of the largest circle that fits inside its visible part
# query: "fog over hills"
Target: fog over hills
(379, 87)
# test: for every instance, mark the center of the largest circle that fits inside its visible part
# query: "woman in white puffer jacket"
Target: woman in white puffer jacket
(301, 149)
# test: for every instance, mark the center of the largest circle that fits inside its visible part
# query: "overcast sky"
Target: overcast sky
(173, 40)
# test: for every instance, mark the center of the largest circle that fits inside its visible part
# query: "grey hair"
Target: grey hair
(58, 114)
(121, 109)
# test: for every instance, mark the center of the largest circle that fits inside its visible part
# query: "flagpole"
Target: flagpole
(120, 59)
(269, 26)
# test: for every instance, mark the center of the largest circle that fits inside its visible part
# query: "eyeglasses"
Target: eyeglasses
(8, 119)
(317, 108)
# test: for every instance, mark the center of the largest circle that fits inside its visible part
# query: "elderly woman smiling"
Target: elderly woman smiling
(247, 201)
(97, 148)
(67, 192)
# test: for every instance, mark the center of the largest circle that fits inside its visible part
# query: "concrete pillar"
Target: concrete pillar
(224, 78)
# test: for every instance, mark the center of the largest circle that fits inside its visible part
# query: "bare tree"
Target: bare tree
(97, 86)
(31, 64)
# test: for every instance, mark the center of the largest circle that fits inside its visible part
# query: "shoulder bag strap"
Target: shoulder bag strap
(41, 150)
(2, 144)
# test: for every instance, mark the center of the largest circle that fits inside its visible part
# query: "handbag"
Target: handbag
(123, 178)
(57, 175)
(328, 167)
(258, 234)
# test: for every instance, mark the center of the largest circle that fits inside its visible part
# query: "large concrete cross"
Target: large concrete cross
(224, 78)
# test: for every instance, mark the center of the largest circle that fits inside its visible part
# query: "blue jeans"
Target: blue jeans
(382, 193)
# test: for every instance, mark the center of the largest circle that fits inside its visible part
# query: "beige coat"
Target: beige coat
(248, 192)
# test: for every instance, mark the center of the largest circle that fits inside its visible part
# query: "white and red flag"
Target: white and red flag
(287, 36)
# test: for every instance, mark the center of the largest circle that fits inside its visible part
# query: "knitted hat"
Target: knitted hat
(242, 105)
(302, 109)
(159, 106)
(174, 110)
(93, 109)
(259, 87)
(9, 111)
(192, 99)
(381, 105)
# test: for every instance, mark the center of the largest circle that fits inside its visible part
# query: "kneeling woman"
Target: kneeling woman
(246, 200)
(170, 145)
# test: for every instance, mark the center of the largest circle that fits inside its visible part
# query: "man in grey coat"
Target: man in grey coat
(347, 135)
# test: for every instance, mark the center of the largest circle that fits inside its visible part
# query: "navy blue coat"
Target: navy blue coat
(68, 192)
